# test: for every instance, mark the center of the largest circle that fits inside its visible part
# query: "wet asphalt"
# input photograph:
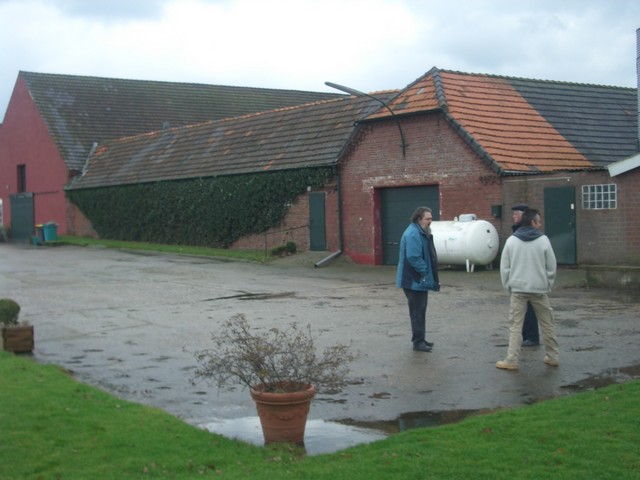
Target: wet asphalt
(129, 322)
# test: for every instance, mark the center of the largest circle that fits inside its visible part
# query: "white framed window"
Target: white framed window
(599, 197)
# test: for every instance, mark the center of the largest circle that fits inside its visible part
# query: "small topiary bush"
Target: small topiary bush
(9, 311)
(288, 249)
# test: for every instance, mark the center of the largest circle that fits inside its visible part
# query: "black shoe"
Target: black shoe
(422, 347)
(429, 344)
(530, 343)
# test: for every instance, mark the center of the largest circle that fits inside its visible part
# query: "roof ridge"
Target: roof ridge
(538, 80)
(441, 97)
(166, 82)
(282, 109)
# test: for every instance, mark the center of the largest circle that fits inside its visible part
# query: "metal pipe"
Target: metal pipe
(328, 259)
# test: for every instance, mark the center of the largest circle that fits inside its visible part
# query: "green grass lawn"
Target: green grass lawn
(53, 427)
(248, 255)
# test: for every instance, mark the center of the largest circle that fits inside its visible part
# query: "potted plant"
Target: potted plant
(16, 337)
(282, 369)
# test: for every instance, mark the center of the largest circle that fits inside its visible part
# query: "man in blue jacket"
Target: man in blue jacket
(528, 272)
(418, 273)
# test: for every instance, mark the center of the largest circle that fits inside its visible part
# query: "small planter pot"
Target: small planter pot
(18, 338)
(283, 416)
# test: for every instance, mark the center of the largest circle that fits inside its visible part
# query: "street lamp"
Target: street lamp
(358, 93)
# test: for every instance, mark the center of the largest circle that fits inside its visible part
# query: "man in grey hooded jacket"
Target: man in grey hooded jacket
(528, 271)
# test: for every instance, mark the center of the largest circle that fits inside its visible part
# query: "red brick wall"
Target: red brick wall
(629, 215)
(79, 224)
(610, 236)
(295, 227)
(435, 155)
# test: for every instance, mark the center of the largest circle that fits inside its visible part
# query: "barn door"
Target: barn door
(560, 222)
(396, 207)
(317, 222)
(22, 216)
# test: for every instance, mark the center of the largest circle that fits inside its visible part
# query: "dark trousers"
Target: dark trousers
(530, 326)
(417, 313)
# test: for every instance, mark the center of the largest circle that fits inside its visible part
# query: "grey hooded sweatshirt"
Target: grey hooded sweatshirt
(528, 264)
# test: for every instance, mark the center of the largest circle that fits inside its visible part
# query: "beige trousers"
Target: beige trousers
(544, 312)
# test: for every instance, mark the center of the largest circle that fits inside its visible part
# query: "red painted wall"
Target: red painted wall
(24, 139)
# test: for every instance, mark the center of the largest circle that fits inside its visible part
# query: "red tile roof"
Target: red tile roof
(521, 125)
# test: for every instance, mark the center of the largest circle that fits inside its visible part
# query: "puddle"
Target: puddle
(253, 296)
(320, 436)
(328, 437)
(605, 378)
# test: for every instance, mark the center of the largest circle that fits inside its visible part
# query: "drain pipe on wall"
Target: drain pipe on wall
(334, 255)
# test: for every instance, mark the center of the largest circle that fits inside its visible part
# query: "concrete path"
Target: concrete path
(130, 322)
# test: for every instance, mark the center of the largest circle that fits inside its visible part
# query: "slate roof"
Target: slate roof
(80, 110)
(519, 125)
(312, 135)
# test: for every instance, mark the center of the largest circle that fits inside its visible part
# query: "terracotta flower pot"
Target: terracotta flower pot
(283, 416)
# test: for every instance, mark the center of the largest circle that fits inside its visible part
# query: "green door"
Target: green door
(317, 222)
(560, 222)
(22, 217)
(396, 207)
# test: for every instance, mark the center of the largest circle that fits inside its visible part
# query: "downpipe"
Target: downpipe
(329, 259)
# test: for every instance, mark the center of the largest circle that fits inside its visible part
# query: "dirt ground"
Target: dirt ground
(129, 322)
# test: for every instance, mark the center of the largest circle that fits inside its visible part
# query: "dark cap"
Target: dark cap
(521, 207)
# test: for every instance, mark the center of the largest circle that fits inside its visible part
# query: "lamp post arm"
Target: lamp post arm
(358, 93)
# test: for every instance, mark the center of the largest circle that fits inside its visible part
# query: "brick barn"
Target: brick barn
(459, 143)
(53, 122)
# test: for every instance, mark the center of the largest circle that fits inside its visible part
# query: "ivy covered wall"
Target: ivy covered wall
(213, 212)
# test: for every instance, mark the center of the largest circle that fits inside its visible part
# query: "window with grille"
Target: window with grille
(599, 197)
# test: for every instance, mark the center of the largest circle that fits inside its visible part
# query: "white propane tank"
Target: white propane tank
(465, 241)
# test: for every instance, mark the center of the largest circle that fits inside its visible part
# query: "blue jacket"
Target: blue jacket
(418, 262)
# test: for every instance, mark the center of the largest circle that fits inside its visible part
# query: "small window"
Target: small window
(599, 197)
(22, 178)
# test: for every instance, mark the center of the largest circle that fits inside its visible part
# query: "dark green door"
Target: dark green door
(317, 222)
(396, 207)
(22, 217)
(560, 222)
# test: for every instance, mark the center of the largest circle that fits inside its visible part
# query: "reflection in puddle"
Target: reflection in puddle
(327, 437)
(410, 420)
(320, 436)
(605, 378)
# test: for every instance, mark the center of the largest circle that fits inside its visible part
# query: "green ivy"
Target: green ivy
(213, 212)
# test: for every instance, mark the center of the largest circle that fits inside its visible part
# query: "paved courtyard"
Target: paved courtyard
(129, 322)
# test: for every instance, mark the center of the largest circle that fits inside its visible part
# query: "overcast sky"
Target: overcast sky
(299, 44)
